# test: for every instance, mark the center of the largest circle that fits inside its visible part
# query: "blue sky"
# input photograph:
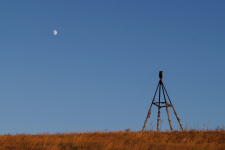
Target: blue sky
(100, 71)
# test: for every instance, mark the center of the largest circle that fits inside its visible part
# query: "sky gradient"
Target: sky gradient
(100, 71)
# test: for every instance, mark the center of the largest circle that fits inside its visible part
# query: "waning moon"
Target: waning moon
(54, 32)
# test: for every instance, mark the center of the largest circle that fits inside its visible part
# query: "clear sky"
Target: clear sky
(100, 71)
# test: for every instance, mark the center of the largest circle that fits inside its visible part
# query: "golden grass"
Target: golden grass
(117, 140)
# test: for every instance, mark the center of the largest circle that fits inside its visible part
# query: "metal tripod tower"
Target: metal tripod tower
(163, 103)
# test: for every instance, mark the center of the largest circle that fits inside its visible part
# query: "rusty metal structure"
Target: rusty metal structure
(162, 103)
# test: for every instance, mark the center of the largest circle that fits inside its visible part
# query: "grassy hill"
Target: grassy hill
(121, 140)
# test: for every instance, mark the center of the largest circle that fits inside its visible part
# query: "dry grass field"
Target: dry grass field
(117, 140)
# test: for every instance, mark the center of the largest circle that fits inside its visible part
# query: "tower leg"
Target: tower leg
(173, 109)
(167, 110)
(159, 107)
(149, 111)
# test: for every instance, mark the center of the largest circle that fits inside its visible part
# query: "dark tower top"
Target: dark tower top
(160, 75)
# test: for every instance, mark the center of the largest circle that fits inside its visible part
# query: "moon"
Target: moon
(55, 32)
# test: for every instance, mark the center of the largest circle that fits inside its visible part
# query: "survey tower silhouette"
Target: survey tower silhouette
(163, 101)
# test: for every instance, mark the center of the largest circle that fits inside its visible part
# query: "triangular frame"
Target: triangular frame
(160, 104)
